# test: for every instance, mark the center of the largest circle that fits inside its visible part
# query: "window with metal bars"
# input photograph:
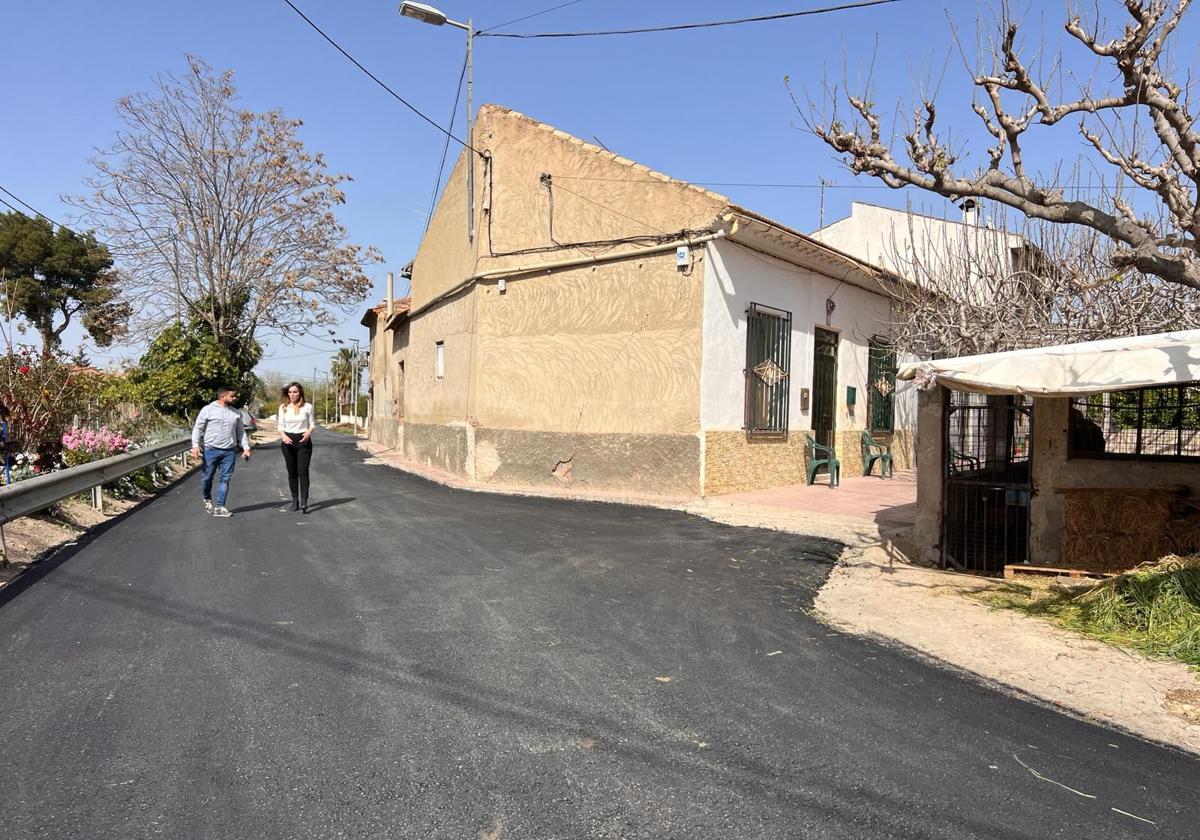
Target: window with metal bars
(768, 366)
(1148, 424)
(881, 380)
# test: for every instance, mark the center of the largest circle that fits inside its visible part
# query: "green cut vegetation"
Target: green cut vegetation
(1154, 608)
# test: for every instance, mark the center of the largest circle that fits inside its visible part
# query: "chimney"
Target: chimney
(390, 305)
(970, 209)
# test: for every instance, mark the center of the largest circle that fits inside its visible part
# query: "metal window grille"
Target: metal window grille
(1147, 424)
(881, 379)
(768, 369)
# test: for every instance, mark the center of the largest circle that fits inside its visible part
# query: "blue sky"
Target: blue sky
(704, 106)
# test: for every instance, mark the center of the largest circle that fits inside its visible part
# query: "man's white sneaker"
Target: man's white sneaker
(223, 512)
(208, 506)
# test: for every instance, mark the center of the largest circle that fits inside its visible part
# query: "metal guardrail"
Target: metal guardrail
(34, 494)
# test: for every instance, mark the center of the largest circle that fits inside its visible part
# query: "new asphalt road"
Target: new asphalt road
(410, 661)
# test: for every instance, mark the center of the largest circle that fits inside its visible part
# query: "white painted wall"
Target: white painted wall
(896, 239)
(735, 276)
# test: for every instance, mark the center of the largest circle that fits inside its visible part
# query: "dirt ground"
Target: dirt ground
(871, 593)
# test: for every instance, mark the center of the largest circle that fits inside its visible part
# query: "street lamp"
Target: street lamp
(436, 17)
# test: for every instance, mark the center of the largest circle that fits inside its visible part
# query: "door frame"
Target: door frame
(829, 406)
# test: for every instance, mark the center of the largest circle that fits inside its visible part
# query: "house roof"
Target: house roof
(400, 308)
(641, 169)
(1093, 367)
(786, 243)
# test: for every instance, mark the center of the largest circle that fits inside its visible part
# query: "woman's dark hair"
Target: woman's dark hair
(283, 393)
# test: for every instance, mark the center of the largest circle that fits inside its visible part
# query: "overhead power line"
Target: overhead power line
(818, 186)
(682, 26)
(112, 251)
(558, 177)
(376, 79)
(527, 17)
(27, 206)
(437, 184)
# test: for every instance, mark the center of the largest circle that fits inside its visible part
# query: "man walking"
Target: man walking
(220, 431)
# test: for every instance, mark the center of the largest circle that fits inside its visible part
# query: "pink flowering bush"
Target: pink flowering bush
(83, 445)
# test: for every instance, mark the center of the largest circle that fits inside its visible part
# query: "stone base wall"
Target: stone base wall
(734, 462)
(647, 463)
(435, 445)
(386, 430)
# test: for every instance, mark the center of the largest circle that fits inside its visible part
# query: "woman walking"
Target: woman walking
(296, 424)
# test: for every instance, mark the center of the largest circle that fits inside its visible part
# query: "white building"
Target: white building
(928, 251)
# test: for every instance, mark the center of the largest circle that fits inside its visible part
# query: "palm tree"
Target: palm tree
(342, 367)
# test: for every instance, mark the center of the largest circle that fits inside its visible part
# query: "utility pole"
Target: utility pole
(355, 374)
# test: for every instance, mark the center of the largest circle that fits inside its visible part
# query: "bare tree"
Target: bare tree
(977, 290)
(219, 215)
(1142, 132)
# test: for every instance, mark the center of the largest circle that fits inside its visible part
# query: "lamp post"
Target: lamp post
(435, 17)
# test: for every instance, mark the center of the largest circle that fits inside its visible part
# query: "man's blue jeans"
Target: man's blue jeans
(214, 459)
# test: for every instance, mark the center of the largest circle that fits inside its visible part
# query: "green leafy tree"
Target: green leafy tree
(51, 277)
(184, 365)
(342, 367)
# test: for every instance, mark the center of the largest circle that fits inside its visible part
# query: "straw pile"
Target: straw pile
(1154, 608)
(1112, 530)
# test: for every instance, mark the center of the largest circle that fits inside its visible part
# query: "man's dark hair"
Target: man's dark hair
(225, 389)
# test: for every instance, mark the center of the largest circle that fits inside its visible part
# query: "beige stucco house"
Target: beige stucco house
(610, 327)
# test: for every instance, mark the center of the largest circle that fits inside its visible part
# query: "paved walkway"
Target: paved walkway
(875, 591)
(865, 497)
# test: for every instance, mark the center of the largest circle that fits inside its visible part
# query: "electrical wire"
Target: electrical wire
(27, 206)
(826, 186)
(437, 184)
(376, 79)
(527, 17)
(682, 26)
(112, 251)
(730, 183)
(610, 209)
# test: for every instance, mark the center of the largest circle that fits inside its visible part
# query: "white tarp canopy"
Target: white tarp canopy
(1116, 364)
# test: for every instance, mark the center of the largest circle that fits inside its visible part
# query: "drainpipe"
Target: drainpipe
(577, 261)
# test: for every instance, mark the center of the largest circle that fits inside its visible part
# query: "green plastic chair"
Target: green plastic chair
(821, 456)
(960, 461)
(872, 451)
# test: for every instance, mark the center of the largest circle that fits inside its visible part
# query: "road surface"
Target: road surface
(410, 661)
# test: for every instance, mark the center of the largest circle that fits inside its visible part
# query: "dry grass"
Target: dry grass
(1154, 608)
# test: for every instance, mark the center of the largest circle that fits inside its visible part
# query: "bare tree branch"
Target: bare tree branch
(975, 289)
(1165, 166)
(220, 214)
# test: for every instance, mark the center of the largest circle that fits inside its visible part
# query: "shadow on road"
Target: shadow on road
(628, 737)
(328, 503)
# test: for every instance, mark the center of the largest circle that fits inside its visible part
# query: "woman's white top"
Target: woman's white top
(296, 422)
